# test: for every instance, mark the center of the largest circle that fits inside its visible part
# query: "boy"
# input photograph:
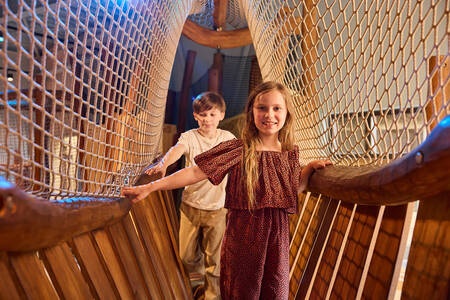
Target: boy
(202, 221)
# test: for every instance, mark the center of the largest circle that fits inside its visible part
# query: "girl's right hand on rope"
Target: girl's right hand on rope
(158, 168)
(137, 193)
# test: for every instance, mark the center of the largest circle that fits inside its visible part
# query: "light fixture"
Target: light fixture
(10, 77)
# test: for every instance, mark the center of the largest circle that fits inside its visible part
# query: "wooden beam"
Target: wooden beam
(217, 39)
(420, 174)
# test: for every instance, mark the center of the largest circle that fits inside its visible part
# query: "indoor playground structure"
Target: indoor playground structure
(83, 96)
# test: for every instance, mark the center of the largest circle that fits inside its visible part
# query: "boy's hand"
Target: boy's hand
(158, 168)
(137, 193)
(320, 164)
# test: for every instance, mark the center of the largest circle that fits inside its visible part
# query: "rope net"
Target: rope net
(83, 84)
(360, 72)
(83, 87)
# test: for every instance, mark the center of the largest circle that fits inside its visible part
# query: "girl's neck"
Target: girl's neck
(209, 134)
(268, 144)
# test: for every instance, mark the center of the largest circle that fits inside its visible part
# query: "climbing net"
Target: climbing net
(83, 87)
(369, 78)
(83, 84)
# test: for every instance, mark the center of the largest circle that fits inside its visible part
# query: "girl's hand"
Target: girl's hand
(320, 164)
(158, 168)
(137, 193)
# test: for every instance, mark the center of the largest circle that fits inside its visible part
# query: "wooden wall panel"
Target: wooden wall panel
(32, 276)
(428, 270)
(93, 267)
(308, 239)
(323, 234)
(150, 267)
(129, 262)
(113, 264)
(167, 245)
(332, 249)
(294, 218)
(8, 289)
(153, 239)
(384, 256)
(64, 272)
(307, 214)
(355, 252)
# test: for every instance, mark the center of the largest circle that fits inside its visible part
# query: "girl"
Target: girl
(264, 180)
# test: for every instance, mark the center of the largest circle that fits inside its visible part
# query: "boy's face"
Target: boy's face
(209, 119)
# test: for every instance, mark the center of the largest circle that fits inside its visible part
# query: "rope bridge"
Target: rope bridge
(83, 87)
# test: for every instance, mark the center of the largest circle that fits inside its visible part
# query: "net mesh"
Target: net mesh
(360, 72)
(83, 84)
(83, 87)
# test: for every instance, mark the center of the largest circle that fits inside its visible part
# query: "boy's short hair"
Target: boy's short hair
(208, 100)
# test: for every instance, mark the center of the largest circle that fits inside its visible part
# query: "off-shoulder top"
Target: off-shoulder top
(279, 176)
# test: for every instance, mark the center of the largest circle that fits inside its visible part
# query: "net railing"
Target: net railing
(83, 87)
(361, 72)
(83, 84)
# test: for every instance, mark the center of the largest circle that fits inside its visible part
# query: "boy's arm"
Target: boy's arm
(169, 158)
(178, 179)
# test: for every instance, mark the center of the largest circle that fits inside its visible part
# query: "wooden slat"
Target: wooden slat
(147, 231)
(173, 217)
(385, 254)
(304, 221)
(65, 274)
(8, 289)
(113, 264)
(169, 249)
(428, 270)
(32, 276)
(352, 263)
(173, 234)
(150, 268)
(306, 246)
(318, 249)
(129, 261)
(294, 219)
(332, 248)
(92, 266)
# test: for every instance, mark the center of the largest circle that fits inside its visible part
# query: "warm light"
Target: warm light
(10, 78)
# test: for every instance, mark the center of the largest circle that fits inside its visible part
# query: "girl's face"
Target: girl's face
(269, 113)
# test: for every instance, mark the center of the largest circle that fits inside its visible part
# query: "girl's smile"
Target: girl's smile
(269, 112)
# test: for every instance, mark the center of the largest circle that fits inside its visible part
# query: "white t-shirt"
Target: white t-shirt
(203, 194)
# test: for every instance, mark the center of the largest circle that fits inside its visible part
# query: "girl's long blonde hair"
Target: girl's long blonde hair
(250, 136)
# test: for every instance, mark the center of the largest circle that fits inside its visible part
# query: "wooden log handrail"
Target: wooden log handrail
(422, 173)
(39, 223)
(30, 223)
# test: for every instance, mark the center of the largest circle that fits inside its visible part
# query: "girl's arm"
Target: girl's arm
(309, 169)
(178, 179)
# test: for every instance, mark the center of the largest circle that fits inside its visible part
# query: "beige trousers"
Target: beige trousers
(201, 234)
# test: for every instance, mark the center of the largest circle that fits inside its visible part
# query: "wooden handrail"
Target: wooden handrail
(29, 223)
(424, 172)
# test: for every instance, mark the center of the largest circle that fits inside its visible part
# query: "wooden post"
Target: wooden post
(215, 74)
(184, 97)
